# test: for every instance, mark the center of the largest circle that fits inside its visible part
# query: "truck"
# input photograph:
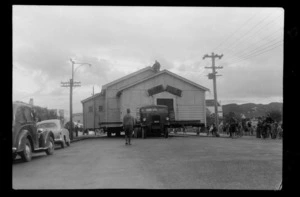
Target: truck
(152, 120)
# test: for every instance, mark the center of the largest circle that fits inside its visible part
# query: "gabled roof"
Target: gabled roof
(211, 102)
(91, 97)
(160, 73)
(127, 76)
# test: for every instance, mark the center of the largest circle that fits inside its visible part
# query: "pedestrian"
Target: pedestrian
(259, 129)
(128, 123)
(280, 131)
(249, 124)
(207, 129)
(232, 127)
(76, 130)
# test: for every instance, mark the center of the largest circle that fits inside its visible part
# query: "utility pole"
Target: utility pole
(213, 76)
(72, 84)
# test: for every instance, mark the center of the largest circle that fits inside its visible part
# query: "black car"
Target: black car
(26, 138)
(154, 120)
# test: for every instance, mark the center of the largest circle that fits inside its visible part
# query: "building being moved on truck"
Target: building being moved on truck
(149, 86)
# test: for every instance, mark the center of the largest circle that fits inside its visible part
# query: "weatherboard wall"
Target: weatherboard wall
(190, 106)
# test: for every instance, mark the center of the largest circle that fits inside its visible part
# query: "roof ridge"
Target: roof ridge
(159, 73)
(126, 76)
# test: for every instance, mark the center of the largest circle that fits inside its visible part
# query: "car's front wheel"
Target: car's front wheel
(50, 149)
(26, 154)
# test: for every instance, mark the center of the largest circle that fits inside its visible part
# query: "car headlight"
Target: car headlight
(167, 118)
(144, 119)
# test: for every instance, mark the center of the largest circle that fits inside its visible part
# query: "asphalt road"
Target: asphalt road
(193, 162)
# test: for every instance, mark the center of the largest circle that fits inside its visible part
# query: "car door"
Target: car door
(30, 124)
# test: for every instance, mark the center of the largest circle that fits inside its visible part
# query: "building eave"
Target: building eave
(160, 73)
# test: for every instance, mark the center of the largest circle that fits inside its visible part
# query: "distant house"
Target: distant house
(78, 118)
(210, 106)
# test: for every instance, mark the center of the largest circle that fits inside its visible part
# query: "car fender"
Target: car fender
(48, 133)
(22, 139)
(44, 136)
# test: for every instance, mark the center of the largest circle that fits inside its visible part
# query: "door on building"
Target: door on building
(169, 103)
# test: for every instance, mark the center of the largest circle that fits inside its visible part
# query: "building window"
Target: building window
(91, 109)
(100, 108)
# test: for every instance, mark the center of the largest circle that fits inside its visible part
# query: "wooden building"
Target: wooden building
(145, 87)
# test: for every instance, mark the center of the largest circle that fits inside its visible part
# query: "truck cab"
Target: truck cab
(154, 120)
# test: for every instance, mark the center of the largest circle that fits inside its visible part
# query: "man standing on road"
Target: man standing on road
(128, 122)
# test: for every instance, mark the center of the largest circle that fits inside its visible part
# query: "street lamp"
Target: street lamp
(71, 93)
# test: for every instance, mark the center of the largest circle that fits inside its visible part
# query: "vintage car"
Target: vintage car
(61, 134)
(26, 138)
(154, 120)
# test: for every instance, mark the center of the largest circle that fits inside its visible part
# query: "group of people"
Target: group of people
(268, 128)
(265, 128)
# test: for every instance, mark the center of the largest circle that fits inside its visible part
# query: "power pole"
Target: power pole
(213, 76)
(71, 84)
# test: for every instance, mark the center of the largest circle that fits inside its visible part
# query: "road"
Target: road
(192, 162)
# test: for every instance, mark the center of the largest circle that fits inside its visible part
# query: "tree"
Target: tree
(275, 115)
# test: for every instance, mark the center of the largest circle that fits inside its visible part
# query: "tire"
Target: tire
(14, 155)
(26, 154)
(108, 134)
(50, 149)
(145, 133)
(62, 145)
(166, 133)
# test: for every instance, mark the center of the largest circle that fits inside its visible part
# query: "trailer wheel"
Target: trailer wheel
(118, 133)
(166, 133)
(108, 133)
(144, 131)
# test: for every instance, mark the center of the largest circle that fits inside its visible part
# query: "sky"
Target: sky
(119, 40)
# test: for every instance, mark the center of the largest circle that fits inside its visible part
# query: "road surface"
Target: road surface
(191, 162)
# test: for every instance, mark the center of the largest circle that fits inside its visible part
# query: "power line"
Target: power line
(264, 38)
(254, 55)
(247, 39)
(236, 41)
(255, 50)
(251, 53)
(237, 29)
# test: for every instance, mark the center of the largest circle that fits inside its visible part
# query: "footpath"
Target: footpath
(90, 135)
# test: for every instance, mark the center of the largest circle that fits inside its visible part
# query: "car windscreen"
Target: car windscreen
(48, 125)
(161, 110)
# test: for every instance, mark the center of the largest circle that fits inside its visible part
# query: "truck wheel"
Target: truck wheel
(166, 133)
(50, 143)
(108, 134)
(26, 154)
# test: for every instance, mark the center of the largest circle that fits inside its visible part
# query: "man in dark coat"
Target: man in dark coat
(232, 127)
(128, 123)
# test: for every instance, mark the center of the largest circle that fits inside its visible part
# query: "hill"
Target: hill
(251, 109)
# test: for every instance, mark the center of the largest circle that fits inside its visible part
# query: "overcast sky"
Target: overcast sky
(120, 40)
